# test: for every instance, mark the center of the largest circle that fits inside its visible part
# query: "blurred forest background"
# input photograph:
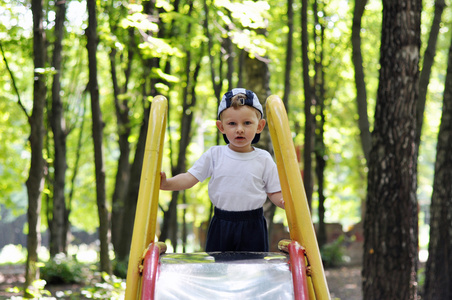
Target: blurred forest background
(78, 79)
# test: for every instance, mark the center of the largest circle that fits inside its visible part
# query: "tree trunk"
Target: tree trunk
(319, 143)
(289, 55)
(217, 80)
(320, 152)
(439, 264)
(269, 208)
(361, 93)
(170, 224)
(97, 131)
(130, 201)
(124, 129)
(75, 167)
(123, 170)
(308, 102)
(429, 57)
(391, 220)
(35, 181)
(123, 124)
(217, 83)
(257, 79)
(131, 198)
(58, 233)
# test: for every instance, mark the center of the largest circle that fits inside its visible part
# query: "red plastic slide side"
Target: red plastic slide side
(298, 269)
(150, 270)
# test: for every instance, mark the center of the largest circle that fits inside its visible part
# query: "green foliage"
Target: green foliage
(14, 156)
(111, 288)
(120, 268)
(63, 269)
(165, 36)
(333, 253)
(38, 290)
(35, 291)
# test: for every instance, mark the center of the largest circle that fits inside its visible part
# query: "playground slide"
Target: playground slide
(212, 276)
(147, 203)
(244, 275)
(296, 205)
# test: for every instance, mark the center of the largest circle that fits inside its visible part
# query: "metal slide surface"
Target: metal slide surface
(229, 275)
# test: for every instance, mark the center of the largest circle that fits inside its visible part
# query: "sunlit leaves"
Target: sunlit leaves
(15, 18)
(251, 41)
(155, 47)
(45, 71)
(251, 14)
(241, 23)
(166, 77)
(165, 4)
(147, 26)
(140, 21)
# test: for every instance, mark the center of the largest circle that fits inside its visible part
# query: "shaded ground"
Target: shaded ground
(10, 276)
(344, 283)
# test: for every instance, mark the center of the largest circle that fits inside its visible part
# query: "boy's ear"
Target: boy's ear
(220, 126)
(260, 125)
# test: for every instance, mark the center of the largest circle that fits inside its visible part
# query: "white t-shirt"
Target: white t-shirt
(238, 181)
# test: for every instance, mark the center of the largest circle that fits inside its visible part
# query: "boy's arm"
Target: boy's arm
(277, 199)
(179, 182)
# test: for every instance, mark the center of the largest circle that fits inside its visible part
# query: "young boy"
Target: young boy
(241, 177)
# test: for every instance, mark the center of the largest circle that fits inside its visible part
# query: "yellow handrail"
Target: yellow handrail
(297, 210)
(296, 205)
(147, 205)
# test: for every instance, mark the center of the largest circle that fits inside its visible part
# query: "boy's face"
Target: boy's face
(240, 126)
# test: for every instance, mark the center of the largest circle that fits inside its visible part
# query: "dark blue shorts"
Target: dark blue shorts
(238, 231)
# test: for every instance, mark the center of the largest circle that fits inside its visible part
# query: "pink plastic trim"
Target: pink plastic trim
(298, 268)
(150, 269)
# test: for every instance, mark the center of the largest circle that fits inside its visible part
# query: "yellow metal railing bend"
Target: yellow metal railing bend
(148, 195)
(297, 210)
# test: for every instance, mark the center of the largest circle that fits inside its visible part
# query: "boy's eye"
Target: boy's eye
(248, 123)
(231, 123)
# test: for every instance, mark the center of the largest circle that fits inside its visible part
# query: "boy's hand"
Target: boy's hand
(282, 203)
(179, 182)
(277, 199)
(163, 181)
